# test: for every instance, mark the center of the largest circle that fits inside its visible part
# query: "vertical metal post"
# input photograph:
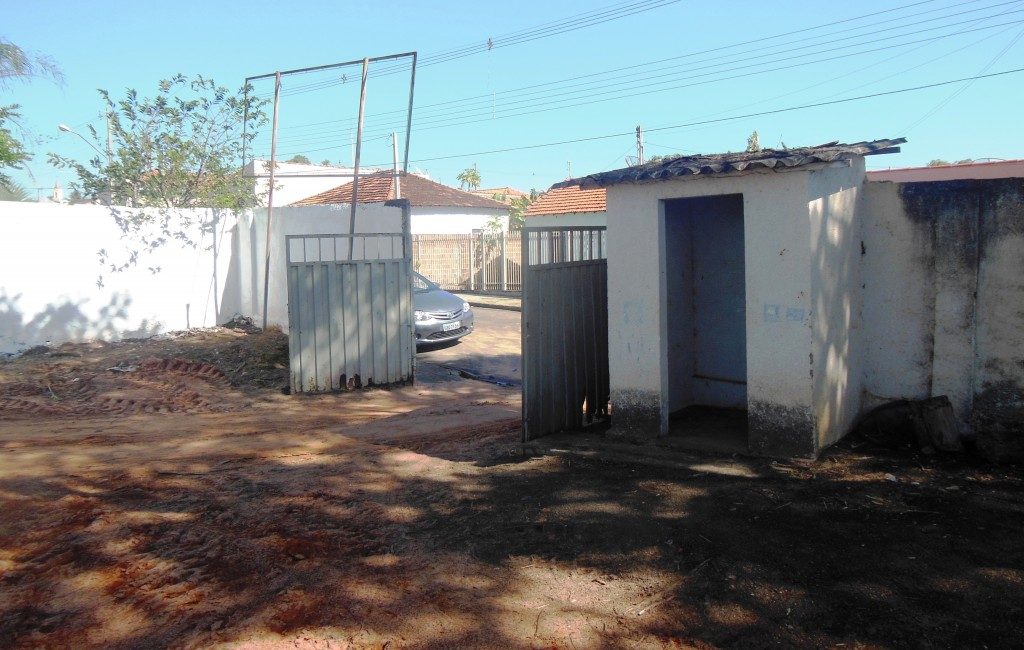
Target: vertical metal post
(245, 122)
(394, 155)
(355, 164)
(639, 144)
(270, 198)
(504, 263)
(472, 263)
(408, 119)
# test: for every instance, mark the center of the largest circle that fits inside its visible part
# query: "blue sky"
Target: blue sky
(595, 80)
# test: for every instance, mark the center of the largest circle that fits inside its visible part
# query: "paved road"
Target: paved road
(492, 351)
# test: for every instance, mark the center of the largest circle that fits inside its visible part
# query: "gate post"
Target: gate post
(504, 263)
(472, 263)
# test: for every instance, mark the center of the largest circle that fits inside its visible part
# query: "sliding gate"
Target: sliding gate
(349, 311)
(565, 329)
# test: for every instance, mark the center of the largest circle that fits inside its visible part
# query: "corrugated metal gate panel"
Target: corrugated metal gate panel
(350, 321)
(565, 329)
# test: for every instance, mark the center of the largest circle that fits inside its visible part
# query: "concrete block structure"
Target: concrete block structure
(785, 286)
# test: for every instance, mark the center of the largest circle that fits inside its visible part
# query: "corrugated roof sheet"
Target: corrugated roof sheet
(568, 200)
(723, 163)
(379, 187)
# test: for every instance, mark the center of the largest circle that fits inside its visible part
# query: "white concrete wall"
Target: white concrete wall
(429, 220)
(244, 288)
(836, 297)
(53, 288)
(289, 187)
(576, 219)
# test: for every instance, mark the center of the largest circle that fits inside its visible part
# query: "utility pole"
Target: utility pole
(394, 154)
(569, 163)
(355, 163)
(270, 197)
(639, 144)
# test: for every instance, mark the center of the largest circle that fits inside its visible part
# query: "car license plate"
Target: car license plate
(447, 327)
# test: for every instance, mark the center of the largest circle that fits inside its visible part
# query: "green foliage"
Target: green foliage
(469, 178)
(13, 192)
(178, 149)
(325, 162)
(16, 63)
(516, 208)
(300, 159)
(12, 153)
(753, 143)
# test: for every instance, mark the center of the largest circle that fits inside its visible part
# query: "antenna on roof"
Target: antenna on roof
(632, 161)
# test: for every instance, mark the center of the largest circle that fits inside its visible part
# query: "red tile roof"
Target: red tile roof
(567, 200)
(379, 187)
(508, 192)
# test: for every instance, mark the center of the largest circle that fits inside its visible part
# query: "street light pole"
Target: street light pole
(110, 182)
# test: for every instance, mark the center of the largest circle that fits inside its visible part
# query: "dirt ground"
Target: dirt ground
(167, 493)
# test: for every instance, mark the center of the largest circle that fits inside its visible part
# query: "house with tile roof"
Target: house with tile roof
(507, 194)
(436, 208)
(568, 206)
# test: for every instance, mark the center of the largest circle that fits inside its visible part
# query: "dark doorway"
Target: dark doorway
(706, 306)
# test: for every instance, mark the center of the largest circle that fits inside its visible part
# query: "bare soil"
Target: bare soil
(181, 499)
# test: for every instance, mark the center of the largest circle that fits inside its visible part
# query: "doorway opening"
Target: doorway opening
(706, 327)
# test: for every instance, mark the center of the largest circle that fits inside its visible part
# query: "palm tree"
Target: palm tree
(469, 178)
(13, 192)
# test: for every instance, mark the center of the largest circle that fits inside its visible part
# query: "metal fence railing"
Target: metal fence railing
(482, 261)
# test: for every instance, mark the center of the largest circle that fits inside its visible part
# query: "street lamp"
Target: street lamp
(67, 129)
(110, 181)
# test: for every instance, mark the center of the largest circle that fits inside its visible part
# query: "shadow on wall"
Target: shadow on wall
(66, 321)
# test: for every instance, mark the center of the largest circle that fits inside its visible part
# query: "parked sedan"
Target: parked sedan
(440, 316)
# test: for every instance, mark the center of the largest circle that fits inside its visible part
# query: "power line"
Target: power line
(631, 91)
(634, 83)
(967, 85)
(725, 119)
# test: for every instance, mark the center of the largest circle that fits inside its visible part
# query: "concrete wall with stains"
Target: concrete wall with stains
(944, 301)
(779, 259)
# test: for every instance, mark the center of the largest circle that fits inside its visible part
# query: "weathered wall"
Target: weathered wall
(836, 298)
(567, 220)
(778, 301)
(427, 220)
(944, 301)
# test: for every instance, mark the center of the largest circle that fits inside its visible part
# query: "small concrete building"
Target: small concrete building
(568, 206)
(764, 301)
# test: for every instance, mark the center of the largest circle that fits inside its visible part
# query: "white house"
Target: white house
(436, 209)
(294, 181)
(785, 286)
(568, 206)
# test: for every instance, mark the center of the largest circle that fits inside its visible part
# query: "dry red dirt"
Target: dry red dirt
(189, 503)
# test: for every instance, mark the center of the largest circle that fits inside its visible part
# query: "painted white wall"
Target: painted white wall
(50, 278)
(575, 219)
(50, 271)
(778, 298)
(431, 220)
(290, 189)
(836, 297)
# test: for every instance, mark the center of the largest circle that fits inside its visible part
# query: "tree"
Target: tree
(469, 178)
(16, 64)
(300, 159)
(325, 163)
(12, 153)
(13, 192)
(178, 149)
(516, 207)
(753, 143)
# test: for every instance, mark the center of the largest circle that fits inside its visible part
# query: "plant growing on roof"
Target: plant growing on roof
(469, 178)
(753, 143)
(178, 149)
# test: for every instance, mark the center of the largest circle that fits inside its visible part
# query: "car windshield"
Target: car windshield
(420, 284)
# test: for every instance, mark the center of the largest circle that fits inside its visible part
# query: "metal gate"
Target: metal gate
(565, 329)
(349, 311)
